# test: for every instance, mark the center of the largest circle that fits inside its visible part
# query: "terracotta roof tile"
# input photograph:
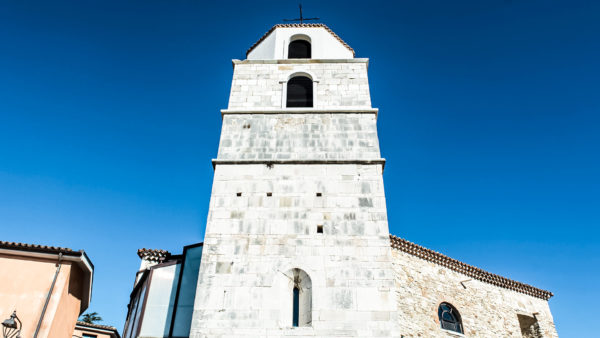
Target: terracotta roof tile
(155, 255)
(298, 25)
(37, 248)
(466, 269)
(98, 326)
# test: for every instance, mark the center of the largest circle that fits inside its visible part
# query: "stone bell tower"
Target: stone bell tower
(297, 240)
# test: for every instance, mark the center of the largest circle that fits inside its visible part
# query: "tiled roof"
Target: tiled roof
(98, 326)
(299, 25)
(466, 269)
(38, 248)
(155, 255)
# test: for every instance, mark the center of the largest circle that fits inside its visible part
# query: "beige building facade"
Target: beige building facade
(489, 305)
(47, 287)
(87, 330)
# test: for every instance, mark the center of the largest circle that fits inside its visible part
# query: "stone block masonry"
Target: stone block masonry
(337, 85)
(254, 237)
(299, 137)
(486, 310)
(297, 240)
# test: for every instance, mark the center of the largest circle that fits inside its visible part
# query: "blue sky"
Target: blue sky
(489, 119)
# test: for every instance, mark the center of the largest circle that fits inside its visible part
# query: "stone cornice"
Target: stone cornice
(380, 161)
(302, 111)
(299, 61)
(466, 269)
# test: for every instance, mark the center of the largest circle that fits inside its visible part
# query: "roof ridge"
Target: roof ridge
(466, 269)
(299, 25)
(99, 326)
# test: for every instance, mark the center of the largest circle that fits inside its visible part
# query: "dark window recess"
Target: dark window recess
(319, 194)
(269, 194)
(530, 328)
(299, 49)
(299, 92)
(449, 318)
(319, 229)
(296, 314)
(239, 194)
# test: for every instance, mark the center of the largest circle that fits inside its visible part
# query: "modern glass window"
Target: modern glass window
(449, 318)
(299, 92)
(158, 309)
(187, 291)
(299, 49)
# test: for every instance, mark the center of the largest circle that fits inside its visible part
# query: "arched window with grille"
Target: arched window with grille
(449, 318)
(299, 92)
(299, 48)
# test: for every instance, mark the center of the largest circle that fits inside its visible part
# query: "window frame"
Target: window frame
(310, 101)
(455, 325)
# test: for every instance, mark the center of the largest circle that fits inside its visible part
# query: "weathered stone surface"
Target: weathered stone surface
(299, 137)
(486, 310)
(253, 239)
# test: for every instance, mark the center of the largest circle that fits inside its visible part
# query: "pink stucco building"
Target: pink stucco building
(48, 288)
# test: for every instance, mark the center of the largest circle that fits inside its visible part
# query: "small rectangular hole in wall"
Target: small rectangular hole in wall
(239, 194)
(319, 229)
(269, 194)
(319, 194)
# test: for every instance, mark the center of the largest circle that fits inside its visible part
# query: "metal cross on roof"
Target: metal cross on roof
(301, 18)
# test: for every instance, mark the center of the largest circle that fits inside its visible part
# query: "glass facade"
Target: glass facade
(187, 291)
(162, 303)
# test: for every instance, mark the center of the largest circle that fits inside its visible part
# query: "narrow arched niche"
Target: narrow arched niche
(300, 47)
(299, 292)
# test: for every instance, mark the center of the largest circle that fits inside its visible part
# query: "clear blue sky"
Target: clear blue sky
(489, 119)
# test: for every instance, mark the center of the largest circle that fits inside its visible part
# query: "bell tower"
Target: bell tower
(297, 239)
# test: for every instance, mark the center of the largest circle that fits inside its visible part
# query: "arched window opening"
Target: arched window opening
(299, 92)
(299, 49)
(300, 288)
(449, 318)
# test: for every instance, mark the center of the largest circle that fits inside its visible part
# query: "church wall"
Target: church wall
(253, 239)
(299, 137)
(262, 85)
(486, 310)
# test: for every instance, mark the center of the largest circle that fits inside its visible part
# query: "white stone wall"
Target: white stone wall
(252, 239)
(299, 137)
(486, 310)
(336, 84)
